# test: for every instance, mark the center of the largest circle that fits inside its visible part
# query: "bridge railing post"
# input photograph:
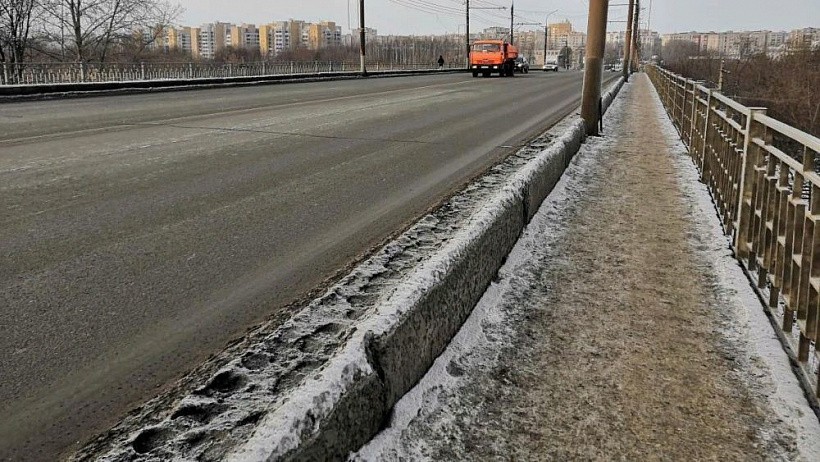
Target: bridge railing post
(706, 131)
(697, 115)
(680, 104)
(687, 113)
(749, 194)
(712, 138)
(684, 103)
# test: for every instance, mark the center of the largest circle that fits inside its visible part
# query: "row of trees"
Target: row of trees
(80, 30)
(786, 85)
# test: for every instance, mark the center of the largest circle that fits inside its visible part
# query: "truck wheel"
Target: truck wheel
(485, 74)
(475, 74)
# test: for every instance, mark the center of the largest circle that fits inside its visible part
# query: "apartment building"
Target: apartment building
(561, 34)
(194, 40)
(704, 41)
(560, 28)
(647, 38)
(279, 36)
(352, 39)
(172, 39)
(530, 43)
(731, 44)
(212, 39)
(808, 38)
(495, 33)
(244, 36)
(324, 35)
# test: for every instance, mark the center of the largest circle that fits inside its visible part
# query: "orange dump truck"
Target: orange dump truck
(489, 56)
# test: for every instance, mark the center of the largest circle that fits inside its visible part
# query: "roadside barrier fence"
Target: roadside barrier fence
(55, 73)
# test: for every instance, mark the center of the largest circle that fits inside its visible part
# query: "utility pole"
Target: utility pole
(362, 38)
(546, 39)
(628, 41)
(649, 32)
(547, 34)
(512, 20)
(594, 65)
(62, 31)
(636, 37)
(467, 38)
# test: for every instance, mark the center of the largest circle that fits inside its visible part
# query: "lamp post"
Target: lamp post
(467, 34)
(362, 38)
(547, 33)
(512, 20)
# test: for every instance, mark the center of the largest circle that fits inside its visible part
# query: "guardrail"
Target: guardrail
(763, 178)
(57, 73)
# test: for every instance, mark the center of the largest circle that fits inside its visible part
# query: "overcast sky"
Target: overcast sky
(399, 17)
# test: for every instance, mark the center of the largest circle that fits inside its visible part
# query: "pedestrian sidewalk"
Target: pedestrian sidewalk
(620, 328)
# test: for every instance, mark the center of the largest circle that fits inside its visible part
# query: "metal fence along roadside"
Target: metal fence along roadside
(763, 177)
(56, 73)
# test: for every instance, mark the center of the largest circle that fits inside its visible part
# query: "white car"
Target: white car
(550, 67)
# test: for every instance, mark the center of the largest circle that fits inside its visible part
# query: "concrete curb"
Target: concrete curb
(14, 93)
(346, 404)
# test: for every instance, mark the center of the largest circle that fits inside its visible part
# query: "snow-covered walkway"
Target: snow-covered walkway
(620, 328)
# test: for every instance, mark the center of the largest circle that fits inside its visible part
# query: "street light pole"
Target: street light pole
(512, 20)
(362, 37)
(636, 38)
(467, 38)
(628, 39)
(547, 34)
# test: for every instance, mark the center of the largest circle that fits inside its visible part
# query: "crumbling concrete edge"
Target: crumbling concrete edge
(344, 406)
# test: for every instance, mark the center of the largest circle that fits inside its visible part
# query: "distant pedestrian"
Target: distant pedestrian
(441, 62)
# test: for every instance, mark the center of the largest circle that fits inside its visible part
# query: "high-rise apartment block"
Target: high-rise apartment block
(270, 39)
(244, 36)
(279, 36)
(212, 38)
(733, 44)
(808, 38)
(323, 35)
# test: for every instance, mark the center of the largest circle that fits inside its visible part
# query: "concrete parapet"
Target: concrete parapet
(342, 407)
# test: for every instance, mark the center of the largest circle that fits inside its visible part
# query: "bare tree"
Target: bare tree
(15, 27)
(94, 27)
(612, 53)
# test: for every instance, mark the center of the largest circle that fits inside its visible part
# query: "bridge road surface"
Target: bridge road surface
(139, 234)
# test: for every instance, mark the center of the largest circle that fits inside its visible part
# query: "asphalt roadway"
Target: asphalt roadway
(139, 234)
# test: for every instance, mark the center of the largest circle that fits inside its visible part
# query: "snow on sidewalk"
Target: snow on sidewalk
(619, 328)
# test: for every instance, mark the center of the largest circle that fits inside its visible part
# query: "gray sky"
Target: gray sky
(392, 16)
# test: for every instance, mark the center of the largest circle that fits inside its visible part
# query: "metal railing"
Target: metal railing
(55, 73)
(763, 178)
